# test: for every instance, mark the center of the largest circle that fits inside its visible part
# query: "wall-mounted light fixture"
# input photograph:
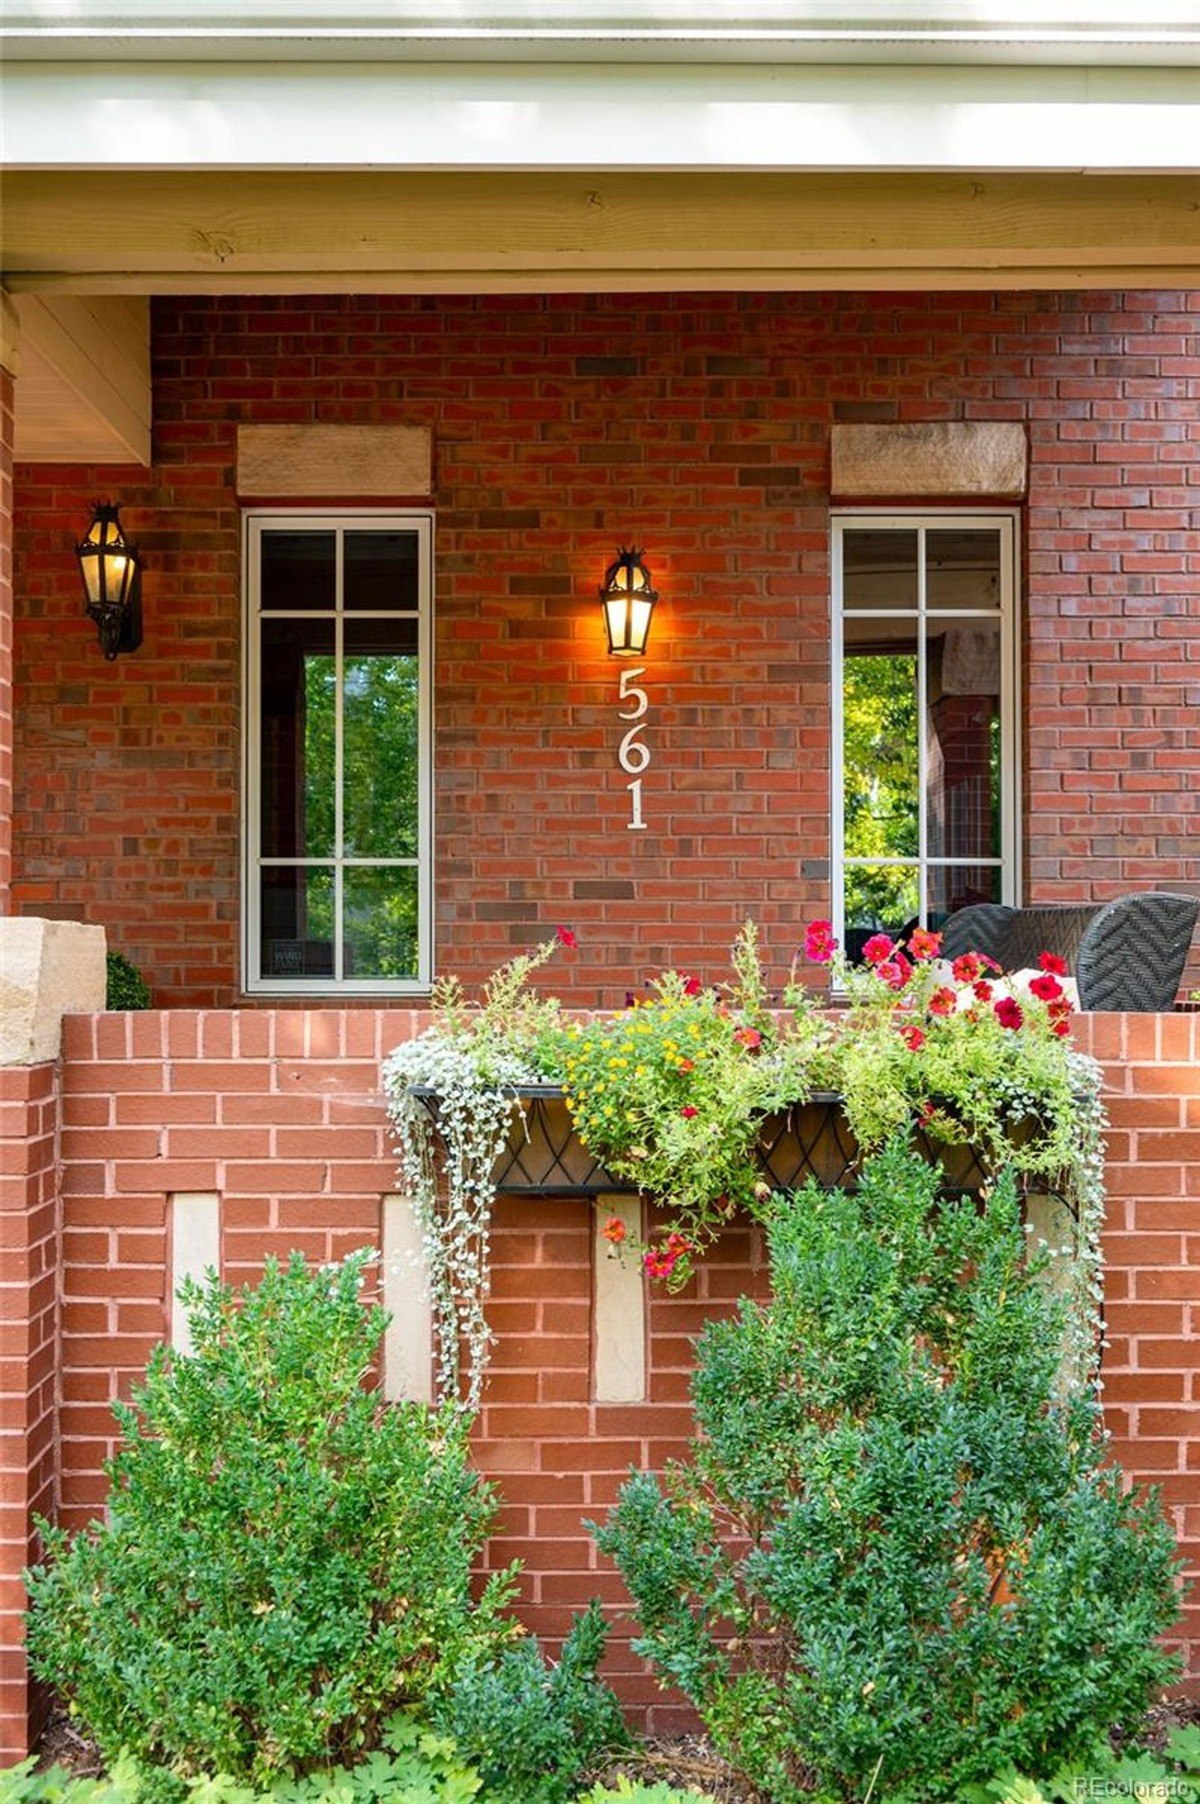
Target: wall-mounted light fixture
(112, 581)
(628, 602)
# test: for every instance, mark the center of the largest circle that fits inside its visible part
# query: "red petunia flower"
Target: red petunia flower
(967, 967)
(1061, 1028)
(1060, 1008)
(913, 1038)
(1008, 1013)
(1046, 987)
(923, 944)
(943, 1001)
(659, 1264)
(819, 943)
(615, 1230)
(895, 971)
(566, 936)
(1051, 962)
(688, 1112)
(748, 1037)
(692, 987)
(686, 1065)
(878, 949)
(982, 989)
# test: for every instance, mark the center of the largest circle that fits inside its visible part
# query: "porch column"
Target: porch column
(8, 372)
(47, 968)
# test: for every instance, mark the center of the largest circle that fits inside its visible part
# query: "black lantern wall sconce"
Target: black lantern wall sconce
(112, 581)
(628, 601)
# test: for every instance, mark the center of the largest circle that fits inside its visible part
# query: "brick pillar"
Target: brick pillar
(8, 361)
(50, 967)
(29, 1258)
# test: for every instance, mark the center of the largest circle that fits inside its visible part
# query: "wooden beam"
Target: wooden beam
(291, 232)
(84, 390)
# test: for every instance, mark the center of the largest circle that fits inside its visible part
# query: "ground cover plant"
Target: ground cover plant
(287, 1561)
(894, 1560)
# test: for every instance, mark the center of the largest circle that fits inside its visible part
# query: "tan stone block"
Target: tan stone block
(325, 462)
(47, 969)
(930, 458)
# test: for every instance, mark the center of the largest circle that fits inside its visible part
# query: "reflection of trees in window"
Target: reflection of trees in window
(879, 727)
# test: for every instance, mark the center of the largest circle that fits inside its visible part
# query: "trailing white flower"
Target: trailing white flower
(471, 1066)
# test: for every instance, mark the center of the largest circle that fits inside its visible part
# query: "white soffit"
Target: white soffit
(476, 116)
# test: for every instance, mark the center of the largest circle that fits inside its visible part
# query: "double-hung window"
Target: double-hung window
(337, 765)
(925, 777)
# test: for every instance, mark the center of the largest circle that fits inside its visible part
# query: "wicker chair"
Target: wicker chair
(1127, 956)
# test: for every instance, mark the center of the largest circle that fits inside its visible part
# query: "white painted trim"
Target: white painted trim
(408, 1341)
(195, 1240)
(1013, 29)
(920, 520)
(619, 1306)
(255, 522)
(595, 118)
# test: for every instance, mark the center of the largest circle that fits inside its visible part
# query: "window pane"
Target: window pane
(962, 569)
(879, 899)
(380, 570)
(380, 718)
(297, 922)
(380, 921)
(879, 570)
(952, 887)
(299, 570)
(879, 727)
(297, 770)
(962, 738)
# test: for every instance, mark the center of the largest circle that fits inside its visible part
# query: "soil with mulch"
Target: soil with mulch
(687, 1761)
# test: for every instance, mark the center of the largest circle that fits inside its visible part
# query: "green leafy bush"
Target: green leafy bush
(892, 1558)
(533, 1728)
(628, 1791)
(126, 987)
(286, 1561)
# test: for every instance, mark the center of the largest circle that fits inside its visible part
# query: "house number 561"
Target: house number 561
(634, 755)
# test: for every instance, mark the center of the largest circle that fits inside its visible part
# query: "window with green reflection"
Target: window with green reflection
(338, 703)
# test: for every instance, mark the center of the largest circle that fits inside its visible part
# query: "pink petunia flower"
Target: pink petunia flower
(819, 943)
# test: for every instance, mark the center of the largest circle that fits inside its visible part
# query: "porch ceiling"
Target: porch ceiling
(189, 231)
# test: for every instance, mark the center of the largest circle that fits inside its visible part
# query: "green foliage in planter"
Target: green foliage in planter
(931, 1573)
(628, 1791)
(286, 1561)
(126, 987)
(532, 1728)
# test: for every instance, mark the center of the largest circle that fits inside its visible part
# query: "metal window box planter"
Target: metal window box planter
(811, 1139)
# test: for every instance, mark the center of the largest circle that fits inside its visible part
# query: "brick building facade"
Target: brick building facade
(700, 426)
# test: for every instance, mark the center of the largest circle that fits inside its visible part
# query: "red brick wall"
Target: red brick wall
(280, 1112)
(29, 1249)
(699, 425)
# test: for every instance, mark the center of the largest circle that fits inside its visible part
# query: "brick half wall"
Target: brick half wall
(281, 1116)
(29, 1256)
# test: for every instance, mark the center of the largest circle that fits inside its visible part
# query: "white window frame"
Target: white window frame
(255, 522)
(921, 520)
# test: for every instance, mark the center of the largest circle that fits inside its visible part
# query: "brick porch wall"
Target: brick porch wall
(29, 1258)
(280, 1113)
(699, 424)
